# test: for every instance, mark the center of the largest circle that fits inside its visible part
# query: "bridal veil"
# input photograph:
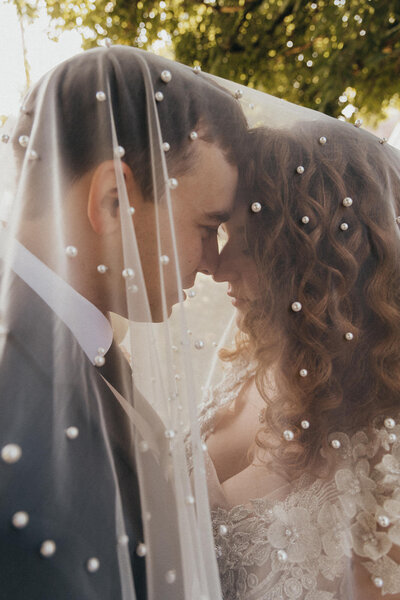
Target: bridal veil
(102, 357)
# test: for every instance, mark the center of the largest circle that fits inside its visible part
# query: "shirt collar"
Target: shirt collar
(89, 326)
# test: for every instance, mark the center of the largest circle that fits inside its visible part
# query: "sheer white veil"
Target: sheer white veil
(93, 457)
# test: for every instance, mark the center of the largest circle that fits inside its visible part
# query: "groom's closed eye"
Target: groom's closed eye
(217, 217)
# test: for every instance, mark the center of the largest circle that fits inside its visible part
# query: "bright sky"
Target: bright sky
(43, 54)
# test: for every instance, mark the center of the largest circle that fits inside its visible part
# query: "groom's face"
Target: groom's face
(201, 202)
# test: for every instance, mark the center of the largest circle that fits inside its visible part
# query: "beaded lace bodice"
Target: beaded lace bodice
(322, 539)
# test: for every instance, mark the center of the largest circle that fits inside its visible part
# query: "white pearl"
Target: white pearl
(344, 226)
(143, 446)
(48, 548)
(33, 155)
(164, 260)
(322, 140)
(199, 344)
(166, 76)
(102, 269)
(300, 169)
(378, 582)
(189, 500)
(119, 152)
(159, 96)
(305, 220)
(172, 183)
(20, 519)
(383, 521)
(288, 435)
(141, 550)
(197, 69)
(358, 123)
(100, 96)
(166, 146)
(5, 138)
(131, 210)
(349, 336)
(392, 438)
(101, 351)
(238, 94)
(282, 556)
(169, 434)
(11, 453)
(123, 540)
(72, 433)
(383, 140)
(170, 576)
(256, 207)
(347, 201)
(389, 423)
(193, 135)
(99, 361)
(128, 273)
(303, 372)
(222, 529)
(191, 293)
(305, 424)
(23, 140)
(296, 306)
(335, 444)
(71, 251)
(93, 564)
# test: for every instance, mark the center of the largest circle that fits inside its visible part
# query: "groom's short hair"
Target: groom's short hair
(83, 123)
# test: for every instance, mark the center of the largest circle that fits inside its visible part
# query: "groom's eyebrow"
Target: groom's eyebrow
(220, 216)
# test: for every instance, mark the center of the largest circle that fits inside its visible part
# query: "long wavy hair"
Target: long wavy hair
(346, 279)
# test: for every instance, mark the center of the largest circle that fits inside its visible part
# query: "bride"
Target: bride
(303, 432)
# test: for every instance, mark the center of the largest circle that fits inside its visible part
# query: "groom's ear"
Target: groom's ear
(103, 203)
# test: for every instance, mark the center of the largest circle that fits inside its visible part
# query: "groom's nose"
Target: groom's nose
(209, 259)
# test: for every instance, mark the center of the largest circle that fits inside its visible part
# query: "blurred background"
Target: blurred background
(341, 57)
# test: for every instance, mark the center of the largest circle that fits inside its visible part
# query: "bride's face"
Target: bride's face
(236, 266)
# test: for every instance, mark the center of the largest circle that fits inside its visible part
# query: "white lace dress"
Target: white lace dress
(324, 539)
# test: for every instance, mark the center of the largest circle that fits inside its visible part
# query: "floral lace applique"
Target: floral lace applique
(300, 548)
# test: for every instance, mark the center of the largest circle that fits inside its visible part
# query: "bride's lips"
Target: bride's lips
(236, 301)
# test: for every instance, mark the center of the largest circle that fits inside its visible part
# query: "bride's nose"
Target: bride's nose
(225, 269)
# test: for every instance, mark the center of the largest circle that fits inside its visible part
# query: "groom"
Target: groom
(66, 470)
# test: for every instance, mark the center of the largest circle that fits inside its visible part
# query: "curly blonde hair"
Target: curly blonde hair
(347, 281)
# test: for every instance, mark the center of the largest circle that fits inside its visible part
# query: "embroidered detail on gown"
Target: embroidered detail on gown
(303, 546)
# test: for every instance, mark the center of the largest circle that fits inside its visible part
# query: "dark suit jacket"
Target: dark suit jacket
(67, 487)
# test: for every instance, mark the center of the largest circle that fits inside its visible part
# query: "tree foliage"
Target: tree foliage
(308, 52)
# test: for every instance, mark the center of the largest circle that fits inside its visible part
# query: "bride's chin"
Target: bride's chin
(239, 317)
